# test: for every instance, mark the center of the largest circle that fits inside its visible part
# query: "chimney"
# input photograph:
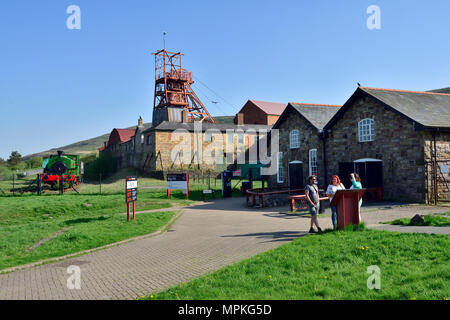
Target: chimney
(240, 118)
(140, 122)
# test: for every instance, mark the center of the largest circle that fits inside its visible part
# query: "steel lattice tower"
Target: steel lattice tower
(173, 92)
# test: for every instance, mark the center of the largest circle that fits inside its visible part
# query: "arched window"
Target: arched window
(366, 130)
(294, 139)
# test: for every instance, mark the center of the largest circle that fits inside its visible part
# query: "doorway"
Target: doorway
(369, 170)
(296, 175)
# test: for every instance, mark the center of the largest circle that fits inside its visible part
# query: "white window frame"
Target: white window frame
(313, 165)
(240, 138)
(294, 139)
(208, 136)
(230, 138)
(366, 130)
(280, 167)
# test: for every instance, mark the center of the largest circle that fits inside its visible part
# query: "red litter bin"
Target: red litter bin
(347, 202)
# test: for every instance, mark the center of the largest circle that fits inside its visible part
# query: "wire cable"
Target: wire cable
(201, 82)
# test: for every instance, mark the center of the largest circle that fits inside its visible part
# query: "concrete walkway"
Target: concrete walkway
(205, 238)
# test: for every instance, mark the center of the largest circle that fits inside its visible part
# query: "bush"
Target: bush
(104, 164)
(5, 173)
(34, 163)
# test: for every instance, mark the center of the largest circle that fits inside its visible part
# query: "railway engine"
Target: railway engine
(65, 165)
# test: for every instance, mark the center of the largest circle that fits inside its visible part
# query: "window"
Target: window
(149, 140)
(208, 136)
(230, 138)
(366, 130)
(280, 168)
(142, 139)
(240, 138)
(313, 162)
(294, 139)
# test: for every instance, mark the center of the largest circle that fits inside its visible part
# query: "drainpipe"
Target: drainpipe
(435, 170)
(324, 150)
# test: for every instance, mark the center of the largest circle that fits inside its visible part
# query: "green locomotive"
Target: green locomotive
(67, 166)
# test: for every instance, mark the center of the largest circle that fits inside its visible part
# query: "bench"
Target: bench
(263, 192)
(303, 201)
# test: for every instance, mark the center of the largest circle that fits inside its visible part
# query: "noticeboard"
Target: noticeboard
(177, 181)
(130, 189)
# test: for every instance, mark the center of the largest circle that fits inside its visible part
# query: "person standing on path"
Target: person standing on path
(334, 186)
(356, 184)
(313, 203)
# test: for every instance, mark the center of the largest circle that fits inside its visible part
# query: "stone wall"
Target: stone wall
(400, 148)
(162, 157)
(309, 139)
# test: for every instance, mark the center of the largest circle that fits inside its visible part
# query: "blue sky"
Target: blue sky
(59, 86)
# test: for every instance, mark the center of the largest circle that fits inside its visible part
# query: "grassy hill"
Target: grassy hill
(443, 90)
(91, 146)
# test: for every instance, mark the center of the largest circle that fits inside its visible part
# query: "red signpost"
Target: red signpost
(131, 195)
(347, 202)
(178, 181)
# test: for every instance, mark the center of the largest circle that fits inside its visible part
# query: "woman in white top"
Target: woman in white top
(334, 186)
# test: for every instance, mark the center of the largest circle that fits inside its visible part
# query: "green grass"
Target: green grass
(332, 265)
(432, 220)
(86, 233)
(96, 220)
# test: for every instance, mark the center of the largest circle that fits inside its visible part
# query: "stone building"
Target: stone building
(119, 145)
(177, 146)
(392, 138)
(259, 112)
(301, 148)
(212, 148)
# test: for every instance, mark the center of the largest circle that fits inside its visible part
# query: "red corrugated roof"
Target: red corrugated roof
(272, 108)
(120, 135)
(125, 134)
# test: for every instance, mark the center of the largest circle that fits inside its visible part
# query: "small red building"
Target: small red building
(260, 112)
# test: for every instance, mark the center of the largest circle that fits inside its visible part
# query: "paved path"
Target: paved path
(205, 238)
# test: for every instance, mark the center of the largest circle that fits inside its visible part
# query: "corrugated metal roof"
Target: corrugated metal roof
(272, 108)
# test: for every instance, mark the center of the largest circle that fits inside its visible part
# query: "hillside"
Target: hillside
(91, 146)
(443, 90)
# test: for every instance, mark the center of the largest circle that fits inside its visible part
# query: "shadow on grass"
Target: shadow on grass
(85, 220)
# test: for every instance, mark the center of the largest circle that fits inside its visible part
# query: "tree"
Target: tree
(2, 162)
(35, 162)
(14, 159)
